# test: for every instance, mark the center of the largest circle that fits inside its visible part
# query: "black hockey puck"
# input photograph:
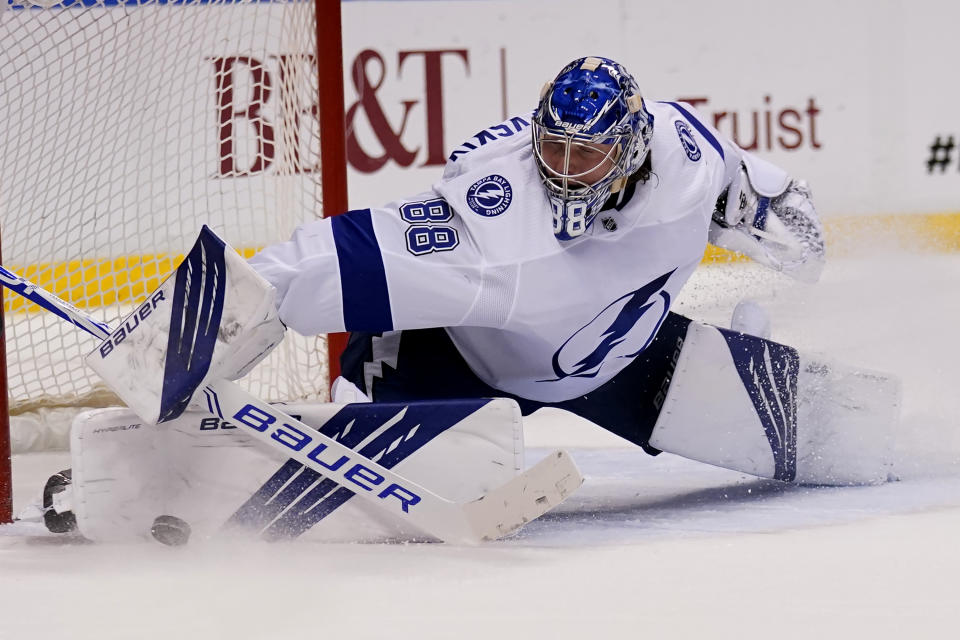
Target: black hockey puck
(170, 530)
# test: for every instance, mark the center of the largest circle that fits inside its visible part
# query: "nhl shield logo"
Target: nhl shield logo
(687, 140)
(490, 196)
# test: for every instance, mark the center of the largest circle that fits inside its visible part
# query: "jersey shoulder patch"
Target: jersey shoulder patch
(687, 140)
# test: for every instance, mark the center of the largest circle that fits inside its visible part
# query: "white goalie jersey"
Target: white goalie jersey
(541, 318)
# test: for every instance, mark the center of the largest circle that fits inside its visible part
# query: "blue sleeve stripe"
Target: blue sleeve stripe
(699, 127)
(363, 280)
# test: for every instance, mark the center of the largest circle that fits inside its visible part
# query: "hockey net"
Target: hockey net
(127, 124)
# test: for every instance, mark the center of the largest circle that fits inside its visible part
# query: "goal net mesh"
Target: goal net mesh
(126, 126)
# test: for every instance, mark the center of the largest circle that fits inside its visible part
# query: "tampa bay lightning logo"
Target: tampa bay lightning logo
(622, 330)
(687, 140)
(490, 196)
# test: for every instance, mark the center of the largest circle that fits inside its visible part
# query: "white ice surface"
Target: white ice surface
(648, 548)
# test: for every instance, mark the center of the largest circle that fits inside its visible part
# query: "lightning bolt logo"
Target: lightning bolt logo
(490, 196)
(622, 330)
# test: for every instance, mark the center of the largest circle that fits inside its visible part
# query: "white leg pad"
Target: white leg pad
(752, 405)
(208, 473)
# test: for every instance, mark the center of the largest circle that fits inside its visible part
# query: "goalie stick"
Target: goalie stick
(497, 513)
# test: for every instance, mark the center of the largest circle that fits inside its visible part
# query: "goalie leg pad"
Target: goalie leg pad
(763, 408)
(207, 473)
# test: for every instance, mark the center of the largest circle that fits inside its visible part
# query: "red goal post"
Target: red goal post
(127, 125)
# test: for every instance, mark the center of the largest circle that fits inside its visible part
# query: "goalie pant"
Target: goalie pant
(718, 396)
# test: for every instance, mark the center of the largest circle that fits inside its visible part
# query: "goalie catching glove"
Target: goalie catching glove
(214, 318)
(769, 217)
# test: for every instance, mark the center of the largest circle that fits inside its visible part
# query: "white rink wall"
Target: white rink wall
(849, 95)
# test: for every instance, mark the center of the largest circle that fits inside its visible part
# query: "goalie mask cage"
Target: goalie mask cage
(126, 125)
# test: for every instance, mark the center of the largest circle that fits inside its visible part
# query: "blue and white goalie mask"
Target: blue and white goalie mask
(591, 132)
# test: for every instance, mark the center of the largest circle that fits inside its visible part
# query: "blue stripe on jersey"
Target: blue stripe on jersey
(363, 281)
(699, 127)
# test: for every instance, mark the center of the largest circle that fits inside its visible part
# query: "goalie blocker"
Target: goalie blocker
(214, 319)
